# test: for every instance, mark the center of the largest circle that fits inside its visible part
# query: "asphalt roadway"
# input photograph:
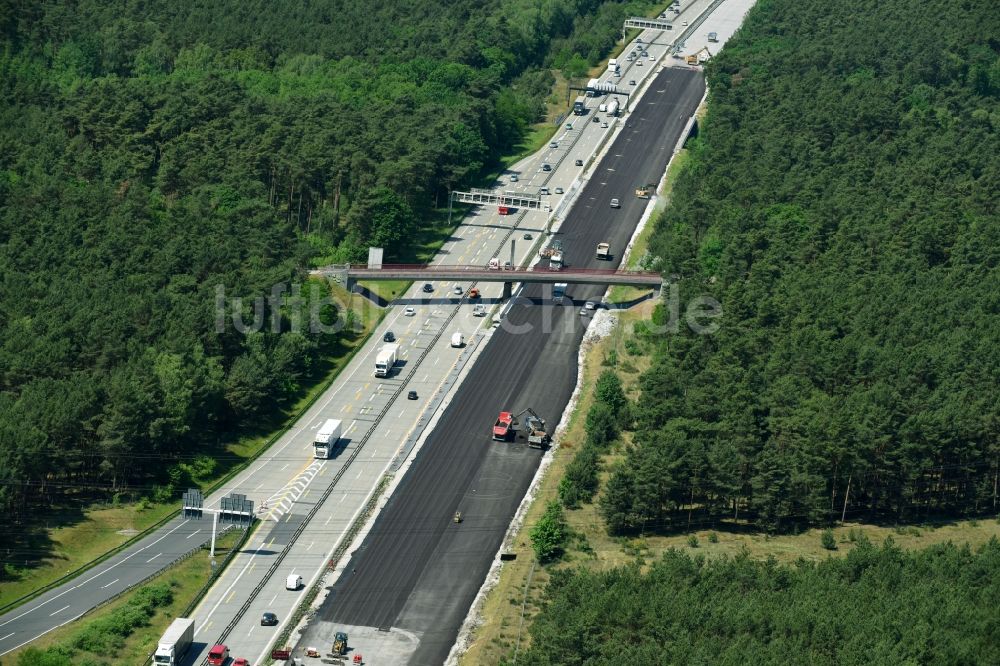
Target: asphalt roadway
(418, 571)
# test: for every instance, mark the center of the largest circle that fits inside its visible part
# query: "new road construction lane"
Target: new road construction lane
(414, 577)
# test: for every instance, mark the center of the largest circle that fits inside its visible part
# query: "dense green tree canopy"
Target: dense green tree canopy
(877, 605)
(155, 153)
(841, 205)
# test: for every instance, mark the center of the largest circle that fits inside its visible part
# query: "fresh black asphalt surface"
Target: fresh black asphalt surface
(419, 571)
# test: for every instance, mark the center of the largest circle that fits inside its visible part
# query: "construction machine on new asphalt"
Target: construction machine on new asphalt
(506, 426)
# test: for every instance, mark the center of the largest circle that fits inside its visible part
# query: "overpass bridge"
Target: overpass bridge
(348, 273)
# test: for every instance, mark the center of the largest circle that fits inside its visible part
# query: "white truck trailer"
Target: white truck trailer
(385, 359)
(325, 442)
(175, 642)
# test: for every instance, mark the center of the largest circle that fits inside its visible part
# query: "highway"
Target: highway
(418, 572)
(382, 425)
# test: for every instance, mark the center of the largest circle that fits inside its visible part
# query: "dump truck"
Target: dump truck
(538, 438)
(325, 441)
(604, 251)
(340, 643)
(174, 643)
(503, 429)
(385, 359)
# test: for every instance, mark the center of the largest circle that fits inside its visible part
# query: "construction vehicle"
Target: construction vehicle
(612, 107)
(506, 427)
(604, 251)
(556, 261)
(538, 438)
(503, 429)
(691, 59)
(458, 516)
(340, 643)
(643, 191)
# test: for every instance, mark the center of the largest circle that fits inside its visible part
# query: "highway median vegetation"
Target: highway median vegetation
(154, 155)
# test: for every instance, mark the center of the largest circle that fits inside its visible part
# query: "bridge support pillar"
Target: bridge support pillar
(508, 290)
(349, 285)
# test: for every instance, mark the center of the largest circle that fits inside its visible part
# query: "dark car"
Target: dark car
(388, 337)
(428, 288)
(268, 620)
(546, 167)
(579, 162)
(412, 395)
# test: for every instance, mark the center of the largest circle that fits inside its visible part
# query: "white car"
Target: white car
(590, 305)
(559, 190)
(684, 23)
(458, 289)
(479, 311)
(409, 311)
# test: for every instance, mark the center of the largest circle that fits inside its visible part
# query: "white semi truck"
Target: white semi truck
(385, 359)
(174, 643)
(613, 107)
(325, 442)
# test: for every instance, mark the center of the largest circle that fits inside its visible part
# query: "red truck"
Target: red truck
(504, 427)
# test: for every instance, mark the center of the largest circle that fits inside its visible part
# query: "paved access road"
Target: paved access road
(418, 572)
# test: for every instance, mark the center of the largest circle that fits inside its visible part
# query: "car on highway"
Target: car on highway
(218, 655)
(615, 203)
(604, 125)
(631, 82)
(645, 54)
(590, 305)
(638, 40)
(479, 311)
(652, 58)
(596, 119)
(526, 236)
(543, 190)
(412, 395)
(473, 293)
(559, 190)
(269, 619)
(458, 289)
(546, 167)
(506, 266)
(583, 312)
(241, 662)
(428, 287)
(638, 63)
(513, 178)
(409, 311)
(389, 337)
(579, 162)
(553, 144)
(569, 126)
(684, 23)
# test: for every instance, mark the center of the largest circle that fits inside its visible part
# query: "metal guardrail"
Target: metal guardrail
(326, 494)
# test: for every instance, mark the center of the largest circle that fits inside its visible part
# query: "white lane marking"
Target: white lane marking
(58, 611)
(373, 453)
(153, 558)
(7, 636)
(97, 575)
(104, 586)
(285, 467)
(192, 534)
